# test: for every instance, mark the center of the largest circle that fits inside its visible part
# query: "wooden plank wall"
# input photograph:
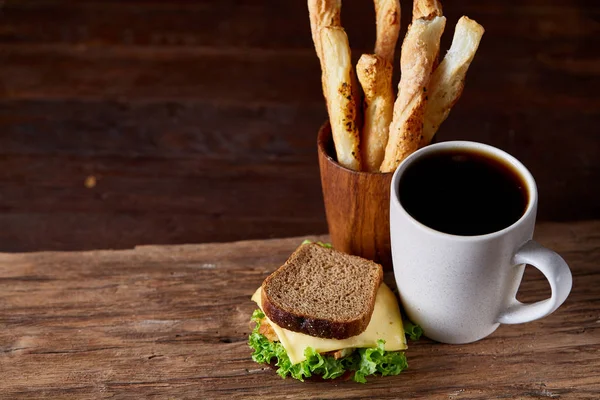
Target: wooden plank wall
(198, 119)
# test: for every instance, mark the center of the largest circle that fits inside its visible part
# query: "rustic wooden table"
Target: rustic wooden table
(175, 121)
(172, 322)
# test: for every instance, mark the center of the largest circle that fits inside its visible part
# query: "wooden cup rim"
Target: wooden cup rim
(324, 138)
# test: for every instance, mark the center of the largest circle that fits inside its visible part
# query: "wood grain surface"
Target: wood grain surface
(198, 119)
(172, 322)
(356, 205)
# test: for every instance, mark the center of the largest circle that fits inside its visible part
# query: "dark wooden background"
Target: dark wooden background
(198, 119)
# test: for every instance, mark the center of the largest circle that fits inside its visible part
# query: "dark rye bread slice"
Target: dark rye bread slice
(322, 292)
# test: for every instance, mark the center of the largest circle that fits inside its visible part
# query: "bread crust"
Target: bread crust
(309, 325)
(313, 326)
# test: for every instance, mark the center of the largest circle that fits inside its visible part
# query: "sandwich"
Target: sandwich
(326, 314)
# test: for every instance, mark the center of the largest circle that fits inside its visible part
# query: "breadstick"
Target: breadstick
(339, 88)
(323, 13)
(419, 50)
(387, 15)
(448, 80)
(427, 9)
(375, 75)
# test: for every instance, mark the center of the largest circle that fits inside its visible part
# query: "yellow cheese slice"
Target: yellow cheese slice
(386, 324)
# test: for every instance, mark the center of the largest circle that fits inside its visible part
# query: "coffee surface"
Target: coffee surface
(463, 192)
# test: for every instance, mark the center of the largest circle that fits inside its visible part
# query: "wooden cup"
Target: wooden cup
(357, 205)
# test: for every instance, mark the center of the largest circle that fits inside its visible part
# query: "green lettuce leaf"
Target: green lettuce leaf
(327, 245)
(264, 350)
(413, 331)
(377, 360)
(363, 361)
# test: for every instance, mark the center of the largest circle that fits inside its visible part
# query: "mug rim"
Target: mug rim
(523, 172)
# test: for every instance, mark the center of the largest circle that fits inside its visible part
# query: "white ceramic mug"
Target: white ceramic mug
(459, 289)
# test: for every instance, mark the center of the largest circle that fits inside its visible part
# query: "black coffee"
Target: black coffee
(463, 192)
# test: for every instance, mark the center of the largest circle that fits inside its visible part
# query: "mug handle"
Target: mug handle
(556, 271)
